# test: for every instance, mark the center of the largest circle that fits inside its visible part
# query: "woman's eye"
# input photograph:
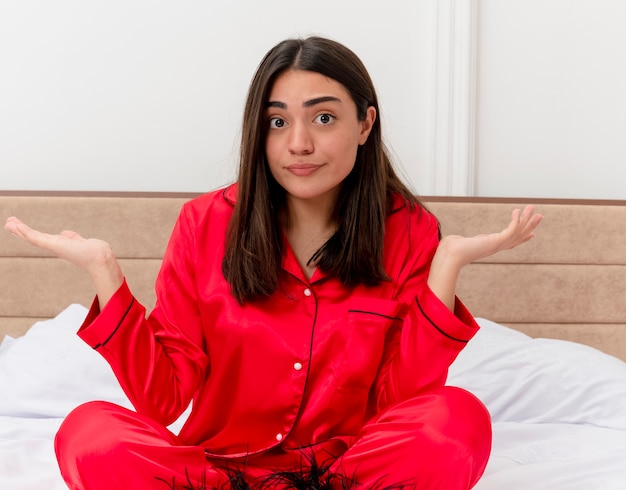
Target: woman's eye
(276, 122)
(325, 118)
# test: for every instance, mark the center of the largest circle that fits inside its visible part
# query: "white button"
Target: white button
(307, 292)
(279, 437)
(297, 366)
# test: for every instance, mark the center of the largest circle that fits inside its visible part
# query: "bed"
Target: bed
(548, 361)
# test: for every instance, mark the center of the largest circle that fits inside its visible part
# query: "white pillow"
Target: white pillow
(521, 379)
(50, 370)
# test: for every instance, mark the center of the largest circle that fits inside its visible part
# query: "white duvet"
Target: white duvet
(558, 408)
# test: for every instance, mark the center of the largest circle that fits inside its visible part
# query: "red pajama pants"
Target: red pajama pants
(438, 440)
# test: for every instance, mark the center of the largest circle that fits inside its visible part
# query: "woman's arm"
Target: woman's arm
(437, 325)
(454, 252)
(146, 354)
(92, 255)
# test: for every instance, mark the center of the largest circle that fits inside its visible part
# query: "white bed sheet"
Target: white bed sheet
(558, 408)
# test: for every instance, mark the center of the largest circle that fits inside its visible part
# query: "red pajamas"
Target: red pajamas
(356, 374)
(438, 440)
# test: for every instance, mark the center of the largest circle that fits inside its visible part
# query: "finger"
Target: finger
(520, 229)
(72, 235)
(16, 227)
(513, 224)
(527, 221)
(11, 223)
(527, 212)
(524, 217)
(531, 225)
(511, 232)
(12, 219)
(32, 236)
(515, 216)
(35, 237)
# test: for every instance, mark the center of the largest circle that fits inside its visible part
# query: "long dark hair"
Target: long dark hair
(254, 242)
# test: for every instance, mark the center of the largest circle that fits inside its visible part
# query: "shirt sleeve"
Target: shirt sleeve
(420, 348)
(149, 353)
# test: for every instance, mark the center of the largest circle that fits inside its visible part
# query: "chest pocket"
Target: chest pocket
(361, 340)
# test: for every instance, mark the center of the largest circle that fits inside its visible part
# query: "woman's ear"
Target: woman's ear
(367, 124)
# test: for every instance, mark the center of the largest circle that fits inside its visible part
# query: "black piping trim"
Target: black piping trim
(102, 344)
(399, 208)
(225, 197)
(434, 325)
(394, 318)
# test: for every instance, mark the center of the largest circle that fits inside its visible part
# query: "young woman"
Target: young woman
(308, 312)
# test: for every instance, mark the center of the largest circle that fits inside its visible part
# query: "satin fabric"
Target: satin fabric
(438, 440)
(305, 367)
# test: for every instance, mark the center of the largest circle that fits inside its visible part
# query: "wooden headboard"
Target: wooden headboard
(568, 283)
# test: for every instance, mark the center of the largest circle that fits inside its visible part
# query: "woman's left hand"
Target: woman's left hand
(464, 250)
(455, 251)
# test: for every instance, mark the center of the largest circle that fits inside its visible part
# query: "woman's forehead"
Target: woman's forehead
(304, 85)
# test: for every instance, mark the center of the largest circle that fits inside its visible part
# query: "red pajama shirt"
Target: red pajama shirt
(306, 367)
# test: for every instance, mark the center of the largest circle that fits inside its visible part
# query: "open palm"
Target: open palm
(90, 254)
(86, 253)
(464, 250)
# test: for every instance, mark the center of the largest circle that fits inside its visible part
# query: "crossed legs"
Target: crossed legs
(440, 439)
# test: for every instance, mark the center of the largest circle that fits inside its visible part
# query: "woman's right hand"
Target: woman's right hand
(90, 254)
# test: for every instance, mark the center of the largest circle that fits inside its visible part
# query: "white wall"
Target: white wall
(489, 97)
(147, 95)
(551, 98)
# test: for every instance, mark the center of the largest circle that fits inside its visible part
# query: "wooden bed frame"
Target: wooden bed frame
(568, 283)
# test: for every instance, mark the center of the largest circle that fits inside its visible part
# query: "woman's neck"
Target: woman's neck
(310, 225)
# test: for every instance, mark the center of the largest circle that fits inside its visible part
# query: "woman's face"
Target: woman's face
(313, 134)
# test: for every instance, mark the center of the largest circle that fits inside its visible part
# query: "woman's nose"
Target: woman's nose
(300, 140)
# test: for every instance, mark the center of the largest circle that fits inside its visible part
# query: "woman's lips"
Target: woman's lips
(303, 169)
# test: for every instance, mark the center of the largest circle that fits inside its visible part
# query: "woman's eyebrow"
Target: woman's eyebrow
(280, 105)
(320, 100)
(306, 103)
